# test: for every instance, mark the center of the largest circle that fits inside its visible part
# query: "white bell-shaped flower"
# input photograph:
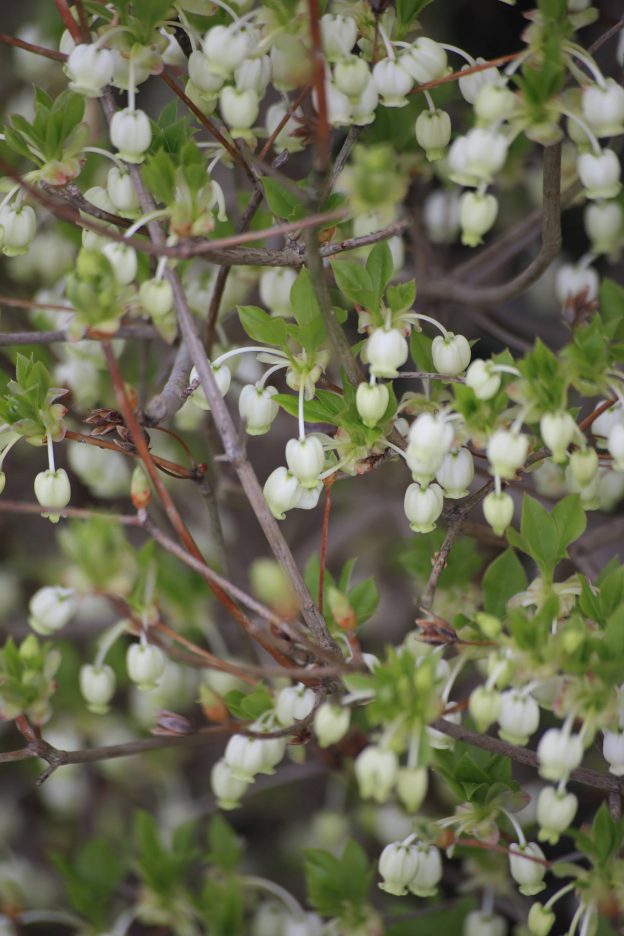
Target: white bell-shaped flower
(518, 717)
(398, 864)
(281, 492)
(423, 506)
(456, 473)
(555, 813)
(305, 459)
(507, 451)
(257, 408)
(51, 608)
(386, 351)
(97, 687)
(498, 510)
(450, 353)
(131, 133)
(294, 703)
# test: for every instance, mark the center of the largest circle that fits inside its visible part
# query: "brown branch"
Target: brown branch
(353, 243)
(280, 126)
(462, 72)
(70, 23)
(212, 129)
(31, 47)
(337, 338)
(179, 471)
(456, 517)
(454, 290)
(174, 394)
(60, 336)
(324, 537)
(521, 755)
(13, 302)
(79, 513)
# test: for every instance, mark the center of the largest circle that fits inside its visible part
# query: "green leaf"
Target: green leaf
(380, 269)
(225, 849)
(355, 283)
(260, 326)
(338, 887)
(91, 877)
(570, 521)
(420, 349)
(326, 407)
(407, 11)
(364, 598)
(306, 310)
(503, 578)
(401, 296)
(282, 201)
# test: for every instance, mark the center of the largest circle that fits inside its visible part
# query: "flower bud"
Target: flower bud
(423, 506)
(339, 34)
(477, 215)
(555, 813)
(528, 874)
(331, 723)
(479, 923)
(429, 873)
(223, 378)
(599, 174)
(245, 757)
(294, 704)
(351, 75)
(140, 493)
(89, 69)
(471, 85)
(481, 378)
(558, 753)
(613, 751)
(603, 108)
(18, 227)
(156, 297)
(603, 226)
(131, 134)
(285, 140)
(431, 434)
(558, 430)
(484, 707)
(239, 109)
(254, 74)
(202, 74)
(257, 408)
(498, 510)
(456, 473)
(275, 286)
(121, 191)
(507, 452)
(572, 281)
(225, 48)
(615, 445)
(51, 608)
(425, 60)
(433, 132)
(376, 770)
(281, 492)
(584, 465)
(371, 401)
(477, 157)
(386, 351)
(145, 664)
(398, 864)
(541, 920)
(494, 102)
(450, 353)
(518, 717)
(412, 783)
(305, 459)
(123, 260)
(97, 686)
(226, 788)
(393, 83)
(52, 489)
(441, 216)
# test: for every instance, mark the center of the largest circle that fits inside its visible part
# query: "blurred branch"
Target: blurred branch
(61, 336)
(31, 47)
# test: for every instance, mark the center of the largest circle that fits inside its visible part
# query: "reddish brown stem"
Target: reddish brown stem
(31, 47)
(70, 23)
(483, 66)
(291, 110)
(178, 470)
(587, 423)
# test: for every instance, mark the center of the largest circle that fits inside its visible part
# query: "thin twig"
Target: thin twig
(61, 336)
(323, 130)
(173, 395)
(31, 47)
(324, 537)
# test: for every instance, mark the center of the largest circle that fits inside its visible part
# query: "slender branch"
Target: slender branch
(353, 243)
(179, 471)
(78, 513)
(174, 394)
(31, 47)
(57, 337)
(13, 302)
(212, 129)
(466, 294)
(324, 537)
(71, 25)
(280, 126)
(521, 755)
(426, 375)
(456, 517)
(337, 338)
(463, 72)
